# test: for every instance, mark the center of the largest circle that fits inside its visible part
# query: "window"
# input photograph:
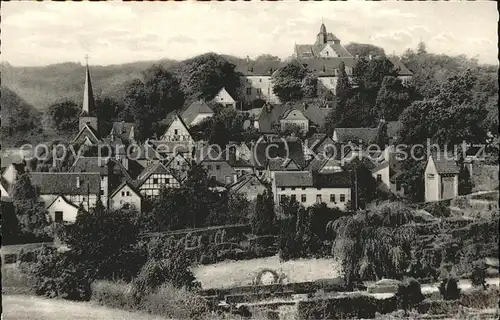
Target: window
(303, 198)
(318, 198)
(217, 167)
(178, 163)
(101, 192)
(259, 91)
(282, 189)
(167, 181)
(128, 193)
(176, 132)
(249, 91)
(10, 258)
(294, 197)
(155, 180)
(213, 177)
(293, 188)
(319, 188)
(123, 193)
(303, 188)
(332, 198)
(58, 216)
(260, 80)
(209, 167)
(379, 177)
(342, 198)
(282, 198)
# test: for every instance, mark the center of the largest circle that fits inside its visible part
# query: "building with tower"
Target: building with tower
(88, 116)
(327, 45)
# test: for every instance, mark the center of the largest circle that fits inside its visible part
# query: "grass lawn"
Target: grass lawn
(19, 307)
(239, 273)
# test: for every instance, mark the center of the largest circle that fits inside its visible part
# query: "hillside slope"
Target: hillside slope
(43, 86)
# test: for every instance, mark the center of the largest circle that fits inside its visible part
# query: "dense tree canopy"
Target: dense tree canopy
(294, 82)
(148, 101)
(364, 49)
(64, 115)
(203, 76)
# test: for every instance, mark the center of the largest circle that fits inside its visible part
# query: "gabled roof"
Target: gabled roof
(367, 135)
(171, 119)
(64, 199)
(282, 164)
(400, 67)
(266, 150)
(154, 168)
(196, 108)
(326, 67)
(93, 133)
(90, 164)
(123, 184)
(171, 147)
(332, 180)
(243, 181)
(293, 179)
(445, 164)
(66, 182)
(313, 50)
(124, 130)
(221, 93)
(318, 163)
(118, 170)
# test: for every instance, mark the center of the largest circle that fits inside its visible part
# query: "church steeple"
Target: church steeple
(88, 116)
(322, 29)
(88, 95)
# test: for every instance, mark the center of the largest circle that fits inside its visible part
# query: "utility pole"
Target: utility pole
(356, 187)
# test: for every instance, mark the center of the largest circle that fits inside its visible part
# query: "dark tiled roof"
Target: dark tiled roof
(47, 205)
(90, 164)
(66, 182)
(332, 180)
(445, 164)
(367, 135)
(195, 109)
(325, 67)
(119, 187)
(312, 51)
(123, 130)
(400, 67)
(316, 115)
(145, 151)
(279, 148)
(310, 179)
(293, 179)
(244, 180)
(270, 116)
(154, 168)
(259, 68)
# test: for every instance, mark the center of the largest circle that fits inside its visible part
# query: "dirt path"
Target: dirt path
(17, 307)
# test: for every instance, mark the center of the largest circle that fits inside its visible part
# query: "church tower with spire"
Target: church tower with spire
(322, 35)
(89, 115)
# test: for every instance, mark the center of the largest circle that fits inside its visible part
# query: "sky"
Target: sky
(42, 33)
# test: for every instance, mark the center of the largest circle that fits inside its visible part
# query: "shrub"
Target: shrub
(437, 307)
(480, 299)
(478, 275)
(112, 294)
(409, 293)
(449, 288)
(176, 303)
(351, 307)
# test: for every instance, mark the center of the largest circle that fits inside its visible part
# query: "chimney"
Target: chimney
(78, 182)
(370, 57)
(248, 59)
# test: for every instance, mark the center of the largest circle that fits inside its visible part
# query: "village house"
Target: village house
(363, 136)
(125, 194)
(309, 188)
(387, 171)
(225, 99)
(248, 185)
(441, 177)
(155, 177)
(198, 111)
(256, 77)
(77, 188)
(62, 210)
(216, 162)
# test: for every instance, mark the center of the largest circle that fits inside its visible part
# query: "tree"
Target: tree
(106, 242)
(478, 275)
(343, 87)
(64, 115)
(392, 99)
(293, 82)
(30, 211)
(452, 106)
(148, 101)
(364, 50)
(264, 219)
(203, 76)
(266, 57)
(465, 183)
(375, 244)
(421, 48)
(10, 225)
(409, 294)
(107, 111)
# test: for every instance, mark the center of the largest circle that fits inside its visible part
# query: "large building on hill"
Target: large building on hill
(327, 45)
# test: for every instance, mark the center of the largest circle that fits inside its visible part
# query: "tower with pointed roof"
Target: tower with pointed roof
(88, 116)
(322, 35)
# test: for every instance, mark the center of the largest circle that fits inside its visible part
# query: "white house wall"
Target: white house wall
(125, 196)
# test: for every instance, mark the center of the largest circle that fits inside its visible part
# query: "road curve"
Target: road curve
(20, 307)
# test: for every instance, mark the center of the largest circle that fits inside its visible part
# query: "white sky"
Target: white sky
(40, 33)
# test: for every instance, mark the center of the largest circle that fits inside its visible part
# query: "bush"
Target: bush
(175, 303)
(480, 299)
(437, 307)
(478, 276)
(113, 294)
(409, 293)
(449, 288)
